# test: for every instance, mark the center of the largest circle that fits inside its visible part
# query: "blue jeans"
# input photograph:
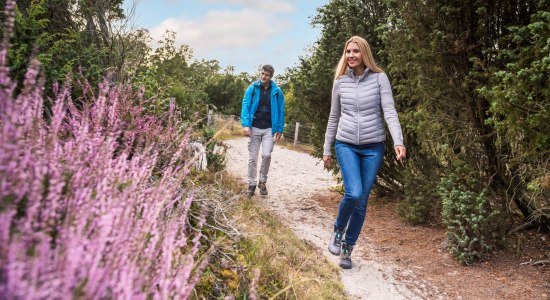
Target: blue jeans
(359, 165)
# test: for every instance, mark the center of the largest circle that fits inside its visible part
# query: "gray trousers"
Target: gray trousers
(263, 138)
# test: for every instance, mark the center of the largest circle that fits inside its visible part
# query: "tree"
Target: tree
(67, 37)
(225, 91)
(458, 50)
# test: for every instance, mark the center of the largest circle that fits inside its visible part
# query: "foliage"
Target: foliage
(75, 203)
(171, 72)
(421, 204)
(520, 106)
(452, 111)
(91, 39)
(470, 80)
(215, 151)
(65, 37)
(225, 91)
(523, 82)
(473, 228)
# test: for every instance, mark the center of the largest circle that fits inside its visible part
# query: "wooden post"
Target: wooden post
(209, 118)
(296, 133)
(172, 104)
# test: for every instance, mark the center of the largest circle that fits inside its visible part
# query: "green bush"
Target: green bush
(473, 223)
(215, 151)
(421, 203)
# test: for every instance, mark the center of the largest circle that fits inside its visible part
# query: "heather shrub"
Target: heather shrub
(91, 198)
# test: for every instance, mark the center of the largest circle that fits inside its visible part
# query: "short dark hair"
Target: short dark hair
(268, 68)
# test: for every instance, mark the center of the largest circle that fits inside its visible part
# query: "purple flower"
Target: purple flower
(91, 194)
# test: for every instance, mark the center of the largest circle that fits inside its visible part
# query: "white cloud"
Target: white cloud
(265, 5)
(246, 29)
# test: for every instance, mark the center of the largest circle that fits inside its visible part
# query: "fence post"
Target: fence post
(209, 118)
(296, 133)
(172, 105)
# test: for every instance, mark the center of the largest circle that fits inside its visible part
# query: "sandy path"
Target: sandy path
(293, 178)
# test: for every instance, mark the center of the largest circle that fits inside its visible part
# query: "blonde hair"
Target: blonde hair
(366, 55)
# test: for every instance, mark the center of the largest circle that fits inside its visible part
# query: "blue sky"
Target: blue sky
(240, 33)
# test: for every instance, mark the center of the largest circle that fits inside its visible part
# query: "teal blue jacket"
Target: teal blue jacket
(250, 104)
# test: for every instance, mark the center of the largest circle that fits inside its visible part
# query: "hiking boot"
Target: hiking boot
(345, 257)
(251, 190)
(336, 242)
(263, 188)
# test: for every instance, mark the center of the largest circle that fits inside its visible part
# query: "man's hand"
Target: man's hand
(400, 152)
(327, 160)
(277, 136)
(246, 131)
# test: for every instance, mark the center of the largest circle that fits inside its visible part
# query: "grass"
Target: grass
(289, 267)
(305, 148)
(228, 129)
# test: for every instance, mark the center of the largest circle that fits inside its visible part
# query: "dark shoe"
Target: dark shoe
(345, 257)
(335, 244)
(263, 188)
(251, 190)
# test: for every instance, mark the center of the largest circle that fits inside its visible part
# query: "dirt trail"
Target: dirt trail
(294, 177)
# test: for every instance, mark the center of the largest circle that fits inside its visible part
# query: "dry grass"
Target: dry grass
(305, 148)
(290, 267)
(228, 129)
(254, 239)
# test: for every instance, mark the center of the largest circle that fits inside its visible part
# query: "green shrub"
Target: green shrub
(473, 225)
(421, 203)
(215, 151)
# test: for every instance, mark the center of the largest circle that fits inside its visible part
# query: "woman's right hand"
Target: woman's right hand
(327, 160)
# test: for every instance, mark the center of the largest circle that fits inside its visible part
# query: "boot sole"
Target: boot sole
(337, 253)
(345, 267)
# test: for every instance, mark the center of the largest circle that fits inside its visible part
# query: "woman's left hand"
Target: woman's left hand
(400, 152)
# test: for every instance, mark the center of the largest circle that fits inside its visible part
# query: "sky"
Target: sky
(239, 33)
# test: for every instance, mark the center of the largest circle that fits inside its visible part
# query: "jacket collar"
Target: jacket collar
(274, 87)
(352, 75)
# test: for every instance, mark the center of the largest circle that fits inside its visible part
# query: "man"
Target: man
(263, 120)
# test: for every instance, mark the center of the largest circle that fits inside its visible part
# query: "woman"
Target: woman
(361, 97)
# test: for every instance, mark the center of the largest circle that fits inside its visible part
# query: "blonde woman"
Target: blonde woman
(361, 101)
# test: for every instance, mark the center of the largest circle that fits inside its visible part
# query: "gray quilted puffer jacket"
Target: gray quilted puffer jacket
(357, 109)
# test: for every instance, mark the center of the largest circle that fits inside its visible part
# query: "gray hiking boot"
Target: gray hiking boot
(251, 190)
(336, 242)
(345, 257)
(263, 188)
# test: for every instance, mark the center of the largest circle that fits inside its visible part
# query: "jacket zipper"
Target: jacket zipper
(357, 108)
